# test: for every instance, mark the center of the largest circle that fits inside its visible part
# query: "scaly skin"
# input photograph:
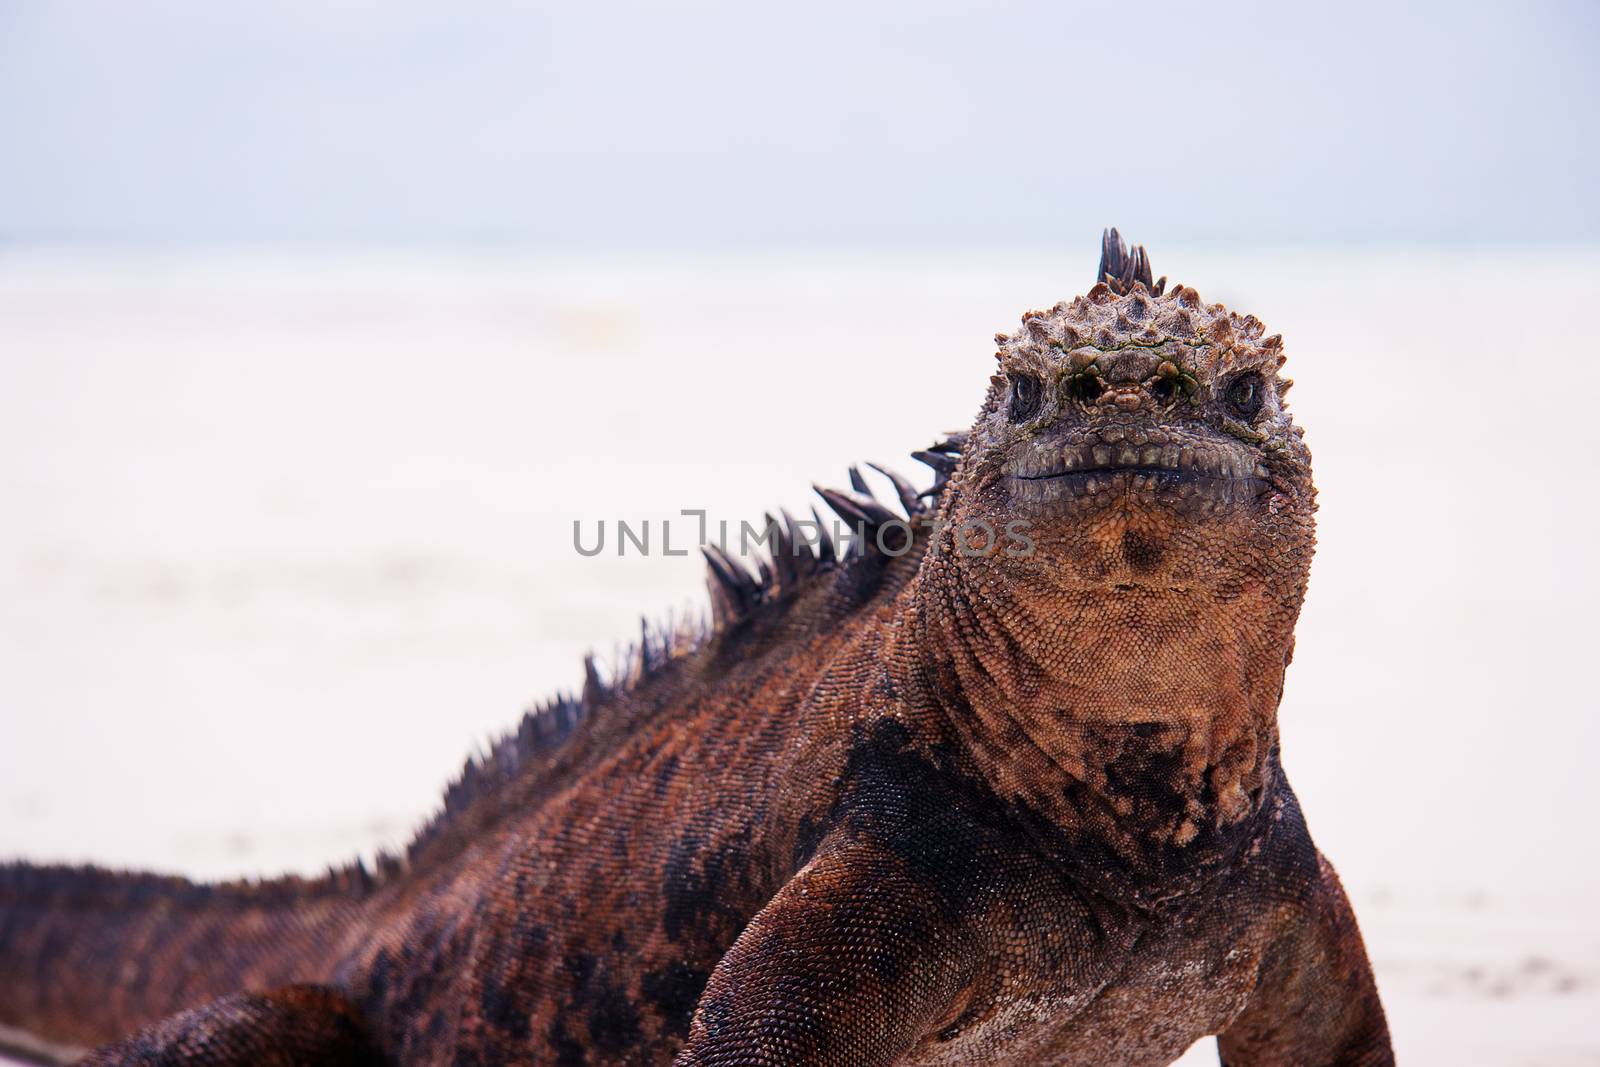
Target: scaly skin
(1010, 796)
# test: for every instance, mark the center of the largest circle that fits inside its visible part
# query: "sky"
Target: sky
(731, 124)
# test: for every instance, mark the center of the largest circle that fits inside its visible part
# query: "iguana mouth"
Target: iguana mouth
(1175, 470)
(1184, 460)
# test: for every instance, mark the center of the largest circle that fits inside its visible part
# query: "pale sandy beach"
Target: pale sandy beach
(285, 535)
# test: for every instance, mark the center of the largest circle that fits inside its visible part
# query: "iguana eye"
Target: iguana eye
(1244, 395)
(1025, 397)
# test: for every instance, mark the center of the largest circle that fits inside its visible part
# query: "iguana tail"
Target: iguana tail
(88, 955)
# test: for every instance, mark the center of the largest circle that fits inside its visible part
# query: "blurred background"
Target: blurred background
(321, 324)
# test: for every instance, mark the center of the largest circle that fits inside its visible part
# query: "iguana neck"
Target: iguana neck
(1139, 720)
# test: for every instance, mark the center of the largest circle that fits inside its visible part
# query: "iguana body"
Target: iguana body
(1004, 797)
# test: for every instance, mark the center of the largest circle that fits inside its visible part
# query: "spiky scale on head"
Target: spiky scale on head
(1122, 269)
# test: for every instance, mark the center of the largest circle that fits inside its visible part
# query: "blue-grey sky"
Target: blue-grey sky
(710, 124)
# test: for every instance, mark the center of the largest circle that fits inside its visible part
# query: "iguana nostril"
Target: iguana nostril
(1085, 387)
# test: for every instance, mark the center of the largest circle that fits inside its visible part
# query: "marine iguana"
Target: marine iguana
(986, 793)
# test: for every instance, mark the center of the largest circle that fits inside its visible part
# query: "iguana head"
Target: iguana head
(1141, 437)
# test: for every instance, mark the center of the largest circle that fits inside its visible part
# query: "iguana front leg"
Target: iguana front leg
(287, 1027)
(1315, 1002)
(853, 961)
